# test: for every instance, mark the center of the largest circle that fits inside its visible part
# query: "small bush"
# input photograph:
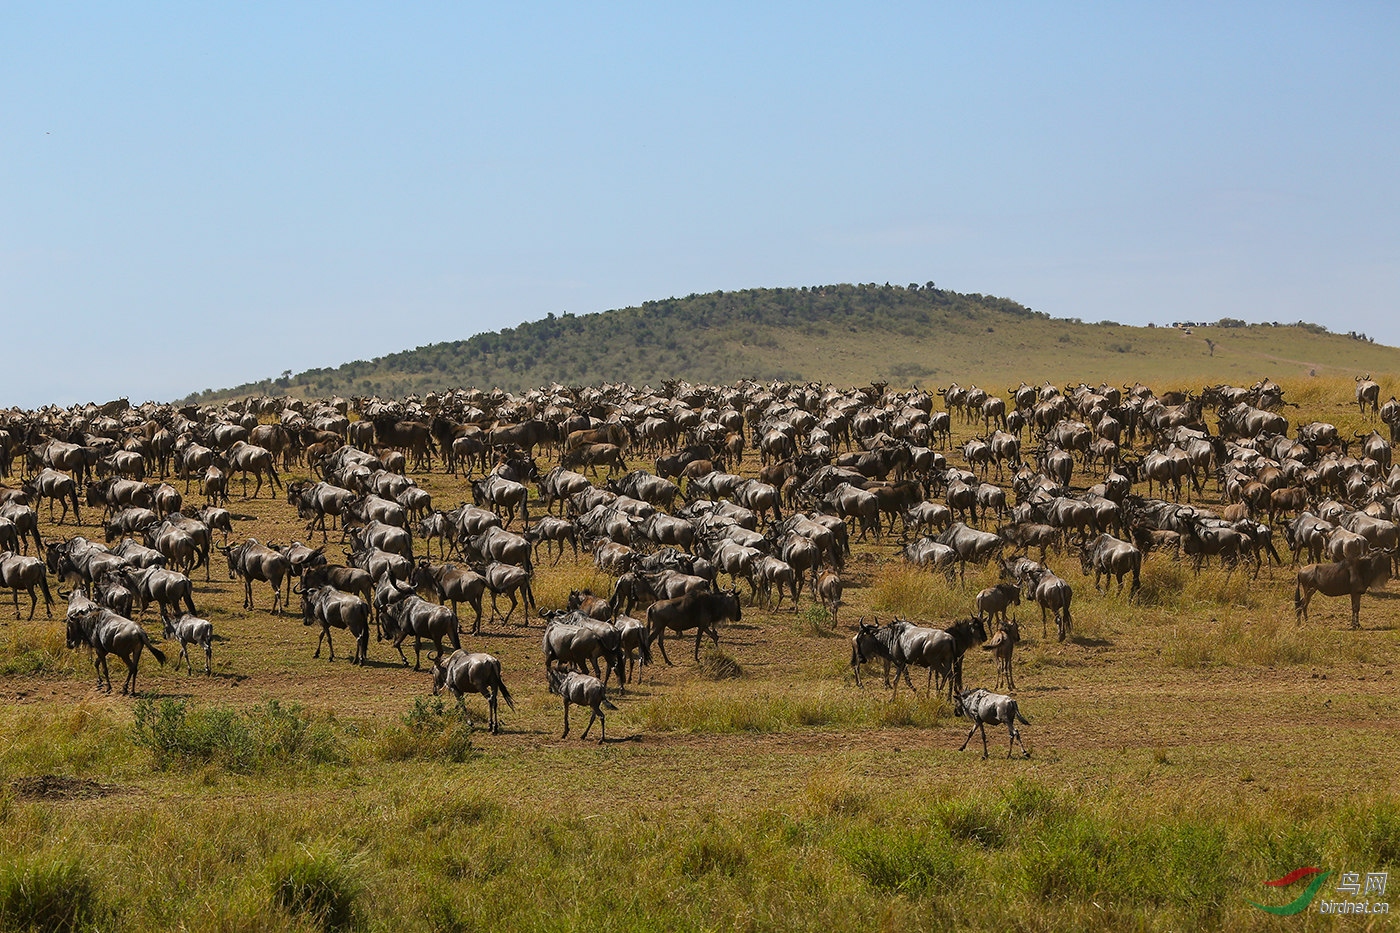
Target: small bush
(47, 894)
(319, 884)
(429, 732)
(239, 741)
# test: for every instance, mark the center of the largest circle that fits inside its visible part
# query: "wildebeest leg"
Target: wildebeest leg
(208, 657)
(566, 720)
(975, 724)
(983, 726)
(1355, 610)
(699, 633)
(591, 718)
(418, 652)
(661, 642)
(398, 646)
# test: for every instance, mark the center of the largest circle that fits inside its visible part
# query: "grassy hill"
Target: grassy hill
(843, 334)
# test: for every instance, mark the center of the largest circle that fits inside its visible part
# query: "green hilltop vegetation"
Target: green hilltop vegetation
(842, 334)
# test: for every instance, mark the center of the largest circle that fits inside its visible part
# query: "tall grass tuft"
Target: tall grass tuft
(48, 893)
(715, 664)
(321, 884)
(35, 649)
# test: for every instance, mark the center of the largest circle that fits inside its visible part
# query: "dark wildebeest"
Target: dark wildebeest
(1110, 556)
(24, 573)
(404, 613)
(474, 672)
(108, 633)
(335, 609)
(253, 560)
(1351, 577)
(452, 583)
(700, 611)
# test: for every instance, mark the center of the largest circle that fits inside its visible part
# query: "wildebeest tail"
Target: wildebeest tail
(501, 686)
(608, 704)
(155, 652)
(1021, 719)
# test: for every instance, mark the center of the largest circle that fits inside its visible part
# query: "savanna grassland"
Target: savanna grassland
(1187, 745)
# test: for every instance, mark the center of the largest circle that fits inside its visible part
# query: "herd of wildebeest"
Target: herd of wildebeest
(765, 484)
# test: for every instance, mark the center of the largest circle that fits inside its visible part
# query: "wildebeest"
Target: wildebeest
(253, 560)
(700, 611)
(1003, 646)
(585, 691)
(503, 495)
(452, 583)
(52, 484)
(166, 588)
(18, 572)
(506, 580)
(985, 708)
(994, 600)
(1351, 577)
(108, 633)
(403, 613)
(1107, 555)
(189, 630)
(472, 672)
(333, 608)
(575, 640)
(970, 545)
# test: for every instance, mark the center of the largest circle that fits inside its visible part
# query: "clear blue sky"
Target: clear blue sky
(197, 195)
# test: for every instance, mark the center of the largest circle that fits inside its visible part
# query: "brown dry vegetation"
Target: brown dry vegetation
(1186, 746)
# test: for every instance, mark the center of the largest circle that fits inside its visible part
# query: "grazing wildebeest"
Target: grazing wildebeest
(700, 611)
(189, 630)
(585, 691)
(1351, 577)
(18, 572)
(108, 633)
(474, 672)
(985, 708)
(335, 609)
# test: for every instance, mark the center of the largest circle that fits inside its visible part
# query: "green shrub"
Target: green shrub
(428, 732)
(240, 741)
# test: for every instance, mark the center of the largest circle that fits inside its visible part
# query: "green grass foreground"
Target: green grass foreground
(324, 829)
